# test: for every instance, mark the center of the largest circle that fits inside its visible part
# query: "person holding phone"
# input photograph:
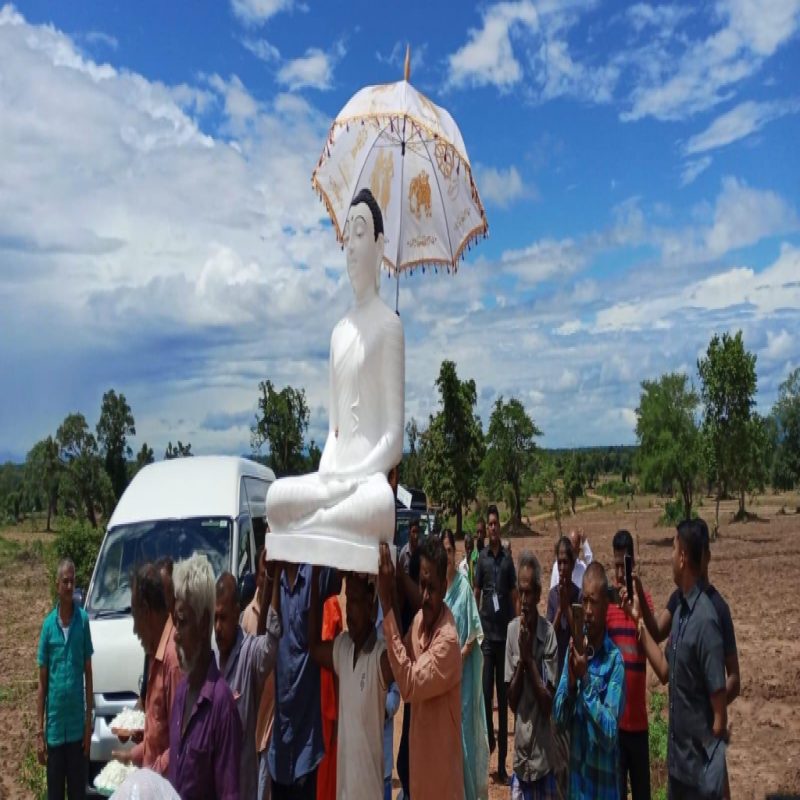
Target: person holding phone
(634, 746)
(591, 698)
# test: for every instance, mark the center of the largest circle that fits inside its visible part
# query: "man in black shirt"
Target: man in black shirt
(695, 669)
(496, 596)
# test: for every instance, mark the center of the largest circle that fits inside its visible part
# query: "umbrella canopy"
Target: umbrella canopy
(409, 152)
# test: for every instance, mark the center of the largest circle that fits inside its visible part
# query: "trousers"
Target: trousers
(634, 761)
(494, 663)
(403, 771)
(66, 764)
(304, 788)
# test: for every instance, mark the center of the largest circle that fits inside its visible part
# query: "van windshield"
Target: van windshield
(128, 546)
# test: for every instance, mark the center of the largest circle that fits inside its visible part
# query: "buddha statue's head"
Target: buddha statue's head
(363, 241)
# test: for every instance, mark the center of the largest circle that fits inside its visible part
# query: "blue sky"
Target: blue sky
(159, 235)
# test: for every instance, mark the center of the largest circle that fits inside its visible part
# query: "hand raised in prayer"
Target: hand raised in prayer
(386, 579)
(525, 642)
(579, 663)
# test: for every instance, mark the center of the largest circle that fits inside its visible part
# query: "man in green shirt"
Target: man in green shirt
(65, 662)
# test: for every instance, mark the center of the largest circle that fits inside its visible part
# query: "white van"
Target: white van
(211, 505)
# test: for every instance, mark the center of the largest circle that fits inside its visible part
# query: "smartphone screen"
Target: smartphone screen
(629, 576)
(577, 626)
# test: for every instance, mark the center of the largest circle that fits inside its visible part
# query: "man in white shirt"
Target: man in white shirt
(361, 663)
(583, 557)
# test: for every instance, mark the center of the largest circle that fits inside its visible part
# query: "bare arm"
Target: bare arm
(41, 697)
(516, 686)
(733, 683)
(656, 657)
(514, 602)
(657, 626)
(321, 652)
(87, 736)
(719, 704)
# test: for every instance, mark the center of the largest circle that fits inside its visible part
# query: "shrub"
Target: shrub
(615, 489)
(80, 542)
(658, 734)
(674, 514)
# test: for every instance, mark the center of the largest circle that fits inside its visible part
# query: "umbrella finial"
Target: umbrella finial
(407, 72)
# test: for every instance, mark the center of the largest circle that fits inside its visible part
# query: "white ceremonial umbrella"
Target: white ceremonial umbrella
(409, 152)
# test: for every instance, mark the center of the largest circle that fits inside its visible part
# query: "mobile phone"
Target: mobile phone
(613, 595)
(629, 576)
(577, 627)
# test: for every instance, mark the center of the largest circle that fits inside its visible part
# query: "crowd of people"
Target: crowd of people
(295, 702)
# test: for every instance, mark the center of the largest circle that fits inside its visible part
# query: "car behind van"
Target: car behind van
(210, 505)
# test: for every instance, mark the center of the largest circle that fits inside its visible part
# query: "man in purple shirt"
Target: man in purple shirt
(205, 732)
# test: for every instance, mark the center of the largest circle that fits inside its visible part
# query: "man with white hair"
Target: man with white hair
(205, 732)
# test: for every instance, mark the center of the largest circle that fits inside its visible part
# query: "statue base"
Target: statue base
(325, 551)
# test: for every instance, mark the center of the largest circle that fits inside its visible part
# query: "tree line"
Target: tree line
(80, 472)
(688, 441)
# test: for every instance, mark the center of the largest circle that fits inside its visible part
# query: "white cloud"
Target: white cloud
(98, 37)
(765, 292)
(742, 216)
(257, 12)
(738, 123)
(661, 19)
(262, 50)
(545, 259)
(681, 77)
(569, 328)
(693, 169)
(779, 345)
(314, 70)
(548, 68)
(502, 187)
(488, 57)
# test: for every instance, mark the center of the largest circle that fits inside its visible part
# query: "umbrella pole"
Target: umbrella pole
(397, 294)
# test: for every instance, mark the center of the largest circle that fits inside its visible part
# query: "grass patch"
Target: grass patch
(8, 551)
(659, 733)
(33, 776)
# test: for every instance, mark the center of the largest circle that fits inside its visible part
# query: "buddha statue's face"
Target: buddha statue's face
(364, 254)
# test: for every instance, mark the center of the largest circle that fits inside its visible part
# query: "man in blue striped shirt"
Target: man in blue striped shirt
(591, 698)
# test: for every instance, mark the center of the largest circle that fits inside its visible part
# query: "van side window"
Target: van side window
(246, 562)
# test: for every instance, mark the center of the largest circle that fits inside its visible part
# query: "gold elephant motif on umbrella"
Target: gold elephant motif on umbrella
(420, 190)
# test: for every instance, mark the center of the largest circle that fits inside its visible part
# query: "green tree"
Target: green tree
(314, 457)
(625, 467)
(180, 450)
(592, 469)
(728, 387)
(786, 412)
(670, 448)
(452, 447)
(510, 452)
(573, 480)
(42, 474)
(115, 425)
(547, 484)
(144, 457)
(84, 485)
(411, 472)
(281, 421)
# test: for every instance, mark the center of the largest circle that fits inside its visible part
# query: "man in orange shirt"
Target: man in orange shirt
(427, 670)
(152, 623)
(332, 626)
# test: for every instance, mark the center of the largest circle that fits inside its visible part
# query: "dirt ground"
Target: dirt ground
(752, 566)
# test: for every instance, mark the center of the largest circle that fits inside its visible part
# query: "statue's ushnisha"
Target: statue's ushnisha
(338, 516)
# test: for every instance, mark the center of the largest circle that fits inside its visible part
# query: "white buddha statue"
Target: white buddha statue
(338, 516)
